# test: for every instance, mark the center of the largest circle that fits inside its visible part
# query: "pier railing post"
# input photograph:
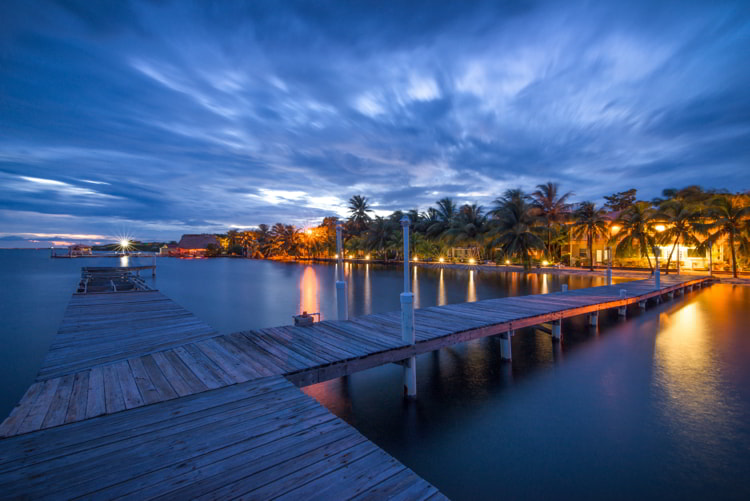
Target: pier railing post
(609, 265)
(342, 298)
(657, 275)
(408, 332)
(564, 288)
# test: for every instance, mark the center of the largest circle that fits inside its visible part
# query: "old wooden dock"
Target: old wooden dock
(139, 398)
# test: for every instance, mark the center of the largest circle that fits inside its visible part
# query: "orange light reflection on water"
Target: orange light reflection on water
(471, 293)
(308, 288)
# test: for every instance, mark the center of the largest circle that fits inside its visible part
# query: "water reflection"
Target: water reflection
(545, 287)
(308, 288)
(367, 291)
(441, 289)
(471, 293)
(688, 371)
(415, 288)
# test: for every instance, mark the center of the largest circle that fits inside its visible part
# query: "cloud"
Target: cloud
(170, 117)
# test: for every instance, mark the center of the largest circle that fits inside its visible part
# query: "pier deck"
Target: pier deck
(259, 440)
(124, 365)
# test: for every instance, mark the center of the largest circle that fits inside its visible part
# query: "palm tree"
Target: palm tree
(513, 226)
(681, 220)
(589, 222)
(444, 214)
(286, 239)
(359, 208)
(730, 222)
(468, 227)
(264, 237)
(636, 230)
(553, 209)
(379, 234)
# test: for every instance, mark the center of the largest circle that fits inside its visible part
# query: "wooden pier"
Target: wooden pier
(139, 398)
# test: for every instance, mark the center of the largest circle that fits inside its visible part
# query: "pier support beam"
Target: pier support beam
(556, 330)
(505, 354)
(342, 300)
(565, 288)
(670, 294)
(642, 304)
(594, 319)
(690, 288)
(410, 377)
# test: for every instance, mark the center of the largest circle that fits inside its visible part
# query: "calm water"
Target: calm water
(657, 406)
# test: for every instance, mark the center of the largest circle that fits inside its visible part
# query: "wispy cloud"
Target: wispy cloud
(172, 117)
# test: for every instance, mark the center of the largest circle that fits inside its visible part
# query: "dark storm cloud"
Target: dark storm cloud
(157, 118)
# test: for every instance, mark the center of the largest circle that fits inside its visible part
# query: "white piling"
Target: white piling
(408, 332)
(342, 298)
(609, 266)
(657, 273)
(622, 310)
(556, 330)
(505, 353)
(642, 304)
(342, 308)
(565, 288)
(594, 319)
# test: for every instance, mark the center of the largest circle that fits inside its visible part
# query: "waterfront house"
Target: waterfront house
(196, 245)
(169, 250)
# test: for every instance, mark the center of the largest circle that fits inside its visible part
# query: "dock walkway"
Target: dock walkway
(138, 358)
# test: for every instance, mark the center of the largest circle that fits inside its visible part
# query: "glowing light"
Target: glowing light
(351, 256)
(416, 259)
(442, 260)
(507, 261)
(472, 261)
(337, 256)
(308, 231)
(615, 229)
(660, 228)
(124, 243)
(367, 257)
(545, 263)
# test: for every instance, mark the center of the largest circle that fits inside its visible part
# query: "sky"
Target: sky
(152, 119)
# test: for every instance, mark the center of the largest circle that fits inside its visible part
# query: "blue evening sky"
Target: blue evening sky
(157, 118)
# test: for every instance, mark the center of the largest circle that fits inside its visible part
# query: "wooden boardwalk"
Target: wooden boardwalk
(259, 440)
(126, 366)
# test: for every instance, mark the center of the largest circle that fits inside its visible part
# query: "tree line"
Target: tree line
(522, 228)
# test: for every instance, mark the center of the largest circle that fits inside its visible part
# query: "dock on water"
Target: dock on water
(137, 397)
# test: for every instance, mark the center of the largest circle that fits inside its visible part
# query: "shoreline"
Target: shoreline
(721, 277)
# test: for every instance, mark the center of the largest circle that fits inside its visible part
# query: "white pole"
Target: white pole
(341, 296)
(609, 266)
(407, 281)
(710, 260)
(153, 263)
(408, 333)
(657, 275)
